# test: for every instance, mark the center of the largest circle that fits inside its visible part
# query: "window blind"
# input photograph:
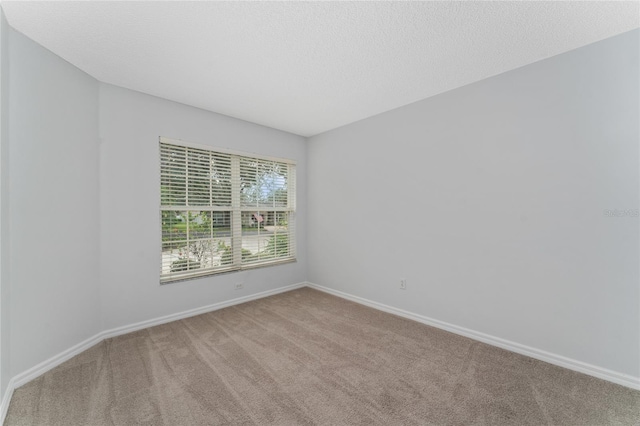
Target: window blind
(222, 211)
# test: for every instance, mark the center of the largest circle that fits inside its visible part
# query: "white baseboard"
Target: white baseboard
(58, 359)
(559, 360)
(6, 399)
(197, 311)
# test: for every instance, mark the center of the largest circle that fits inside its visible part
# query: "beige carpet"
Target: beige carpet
(305, 357)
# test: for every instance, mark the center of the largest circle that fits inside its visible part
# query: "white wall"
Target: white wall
(130, 124)
(82, 195)
(53, 201)
(5, 356)
(489, 200)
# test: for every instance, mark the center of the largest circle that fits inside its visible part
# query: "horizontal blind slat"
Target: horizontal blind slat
(198, 235)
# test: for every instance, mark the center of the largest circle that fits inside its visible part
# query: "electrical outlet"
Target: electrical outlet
(239, 286)
(403, 284)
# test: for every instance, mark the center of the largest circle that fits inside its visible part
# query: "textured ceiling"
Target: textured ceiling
(313, 66)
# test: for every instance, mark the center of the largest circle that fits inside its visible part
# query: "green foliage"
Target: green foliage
(277, 246)
(247, 255)
(226, 254)
(176, 225)
(184, 264)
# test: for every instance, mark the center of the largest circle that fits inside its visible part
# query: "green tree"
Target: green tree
(226, 254)
(277, 246)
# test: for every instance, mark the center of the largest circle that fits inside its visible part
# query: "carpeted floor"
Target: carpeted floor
(305, 357)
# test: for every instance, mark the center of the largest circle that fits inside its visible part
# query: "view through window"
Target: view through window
(221, 211)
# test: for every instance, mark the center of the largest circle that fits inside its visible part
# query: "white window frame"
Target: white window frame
(236, 210)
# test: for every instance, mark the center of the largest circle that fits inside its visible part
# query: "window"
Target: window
(221, 211)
